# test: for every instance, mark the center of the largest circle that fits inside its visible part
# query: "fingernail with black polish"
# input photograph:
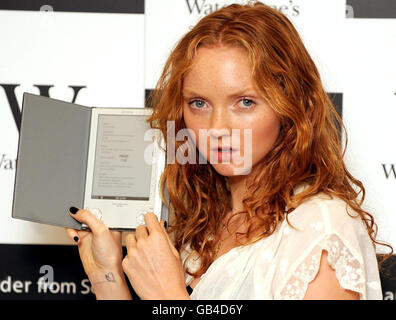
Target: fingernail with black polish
(73, 210)
(75, 239)
(166, 225)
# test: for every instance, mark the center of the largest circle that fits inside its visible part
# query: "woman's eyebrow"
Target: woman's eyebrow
(244, 92)
(187, 92)
(239, 93)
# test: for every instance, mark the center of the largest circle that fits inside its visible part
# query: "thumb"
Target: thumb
(87, 217)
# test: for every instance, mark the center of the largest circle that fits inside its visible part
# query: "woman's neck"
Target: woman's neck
(237, 188)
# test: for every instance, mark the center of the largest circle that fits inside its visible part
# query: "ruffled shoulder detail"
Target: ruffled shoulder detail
(325, 224)
(349, 270)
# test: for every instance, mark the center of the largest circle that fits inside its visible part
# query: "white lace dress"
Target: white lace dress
(282, 265)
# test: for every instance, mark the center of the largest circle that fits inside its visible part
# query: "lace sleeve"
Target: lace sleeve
(325, 225)
(349, 270)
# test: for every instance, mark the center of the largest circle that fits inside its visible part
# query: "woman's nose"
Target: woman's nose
(219, 125)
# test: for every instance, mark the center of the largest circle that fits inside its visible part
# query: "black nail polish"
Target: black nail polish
(75, 239)
(73, 210)
(166, 225)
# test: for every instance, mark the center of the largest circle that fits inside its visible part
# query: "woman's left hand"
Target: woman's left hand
(153, 264)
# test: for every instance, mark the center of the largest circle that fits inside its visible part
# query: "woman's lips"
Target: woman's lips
(222, 154)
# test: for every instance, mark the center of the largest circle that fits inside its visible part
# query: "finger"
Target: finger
(130, 240)
(117, 235)
(72, 234)
(141, 232)
(152, 222)
(88, 218)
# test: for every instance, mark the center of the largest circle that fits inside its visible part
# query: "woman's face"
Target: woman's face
(219, 96)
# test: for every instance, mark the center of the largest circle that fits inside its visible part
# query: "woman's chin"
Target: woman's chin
(229, 170)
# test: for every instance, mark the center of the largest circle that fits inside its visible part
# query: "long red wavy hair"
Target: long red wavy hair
(308, 149)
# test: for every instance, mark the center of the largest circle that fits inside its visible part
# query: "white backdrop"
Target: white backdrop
(117, 56)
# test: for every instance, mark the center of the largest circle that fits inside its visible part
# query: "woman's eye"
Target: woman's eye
(246, 103)
(199, 104)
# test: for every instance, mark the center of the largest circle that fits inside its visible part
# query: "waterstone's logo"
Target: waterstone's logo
(7, 162)
(204, 7)
(389, 170)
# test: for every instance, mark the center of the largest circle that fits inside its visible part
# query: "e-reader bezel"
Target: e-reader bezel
(124, 214)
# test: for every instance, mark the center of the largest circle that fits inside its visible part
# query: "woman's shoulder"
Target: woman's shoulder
(328, 222)
(324, 222)
(326, 214)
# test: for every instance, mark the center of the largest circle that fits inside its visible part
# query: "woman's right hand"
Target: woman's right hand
(101, 255)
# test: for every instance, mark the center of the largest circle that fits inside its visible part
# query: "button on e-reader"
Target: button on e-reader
(97, 213)
(140, 217)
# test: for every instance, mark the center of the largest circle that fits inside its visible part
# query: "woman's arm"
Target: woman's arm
(110, 285)
(101, 255)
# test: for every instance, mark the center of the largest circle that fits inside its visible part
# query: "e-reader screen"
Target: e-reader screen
(120, 171)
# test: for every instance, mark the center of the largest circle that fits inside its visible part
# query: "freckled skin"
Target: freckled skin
(219, 93)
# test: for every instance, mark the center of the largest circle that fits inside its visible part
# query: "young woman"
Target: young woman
(289, 224)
